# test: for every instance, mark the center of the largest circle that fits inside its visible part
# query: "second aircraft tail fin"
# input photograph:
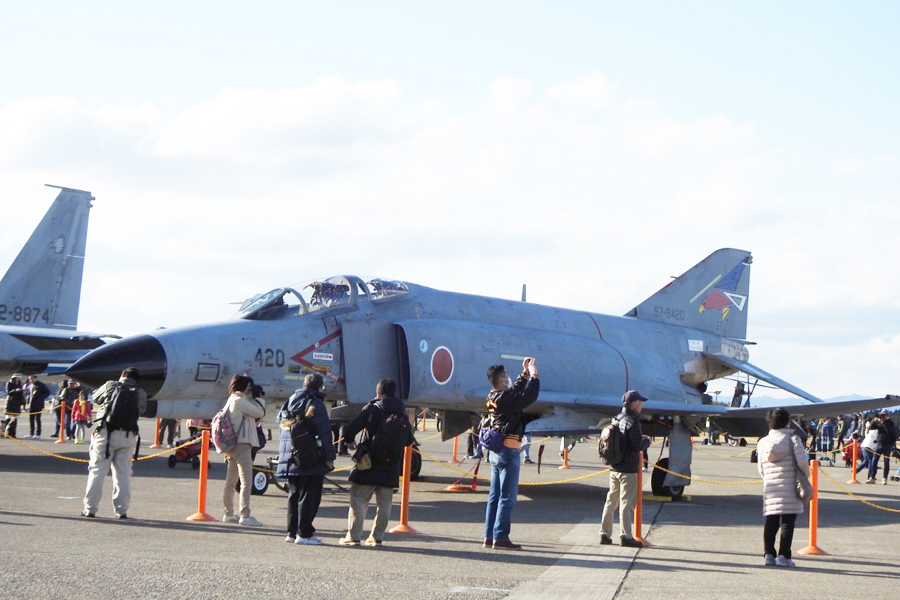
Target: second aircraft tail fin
(42, 287)
(712, 296)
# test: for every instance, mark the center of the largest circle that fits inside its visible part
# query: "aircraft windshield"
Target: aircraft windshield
(276, 304)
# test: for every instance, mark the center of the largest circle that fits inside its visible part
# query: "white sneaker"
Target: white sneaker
(770, 560)
(870, 480)
(290, 539)
(26, 437)
(250, 522)
(784, 562)
(310, 541)
(35, 437)
(230, 519)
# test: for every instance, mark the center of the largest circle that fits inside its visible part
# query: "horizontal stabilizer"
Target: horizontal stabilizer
(753, 371)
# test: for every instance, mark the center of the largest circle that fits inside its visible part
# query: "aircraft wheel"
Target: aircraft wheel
(195, 463)
(260, 483)
(416, 467)
(171, 461)
(658, 476)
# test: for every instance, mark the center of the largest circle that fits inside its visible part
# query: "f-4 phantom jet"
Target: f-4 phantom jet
(437, 346)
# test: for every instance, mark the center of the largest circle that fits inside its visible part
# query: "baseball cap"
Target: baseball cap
(632, 396)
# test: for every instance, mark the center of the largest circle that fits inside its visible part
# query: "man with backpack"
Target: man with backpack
(305, 455)
(379, 459)
(118, 405)
(623, 488)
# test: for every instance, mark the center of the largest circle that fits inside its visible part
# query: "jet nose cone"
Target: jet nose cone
(107, 362)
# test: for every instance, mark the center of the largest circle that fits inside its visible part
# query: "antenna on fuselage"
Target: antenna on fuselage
(523, 293)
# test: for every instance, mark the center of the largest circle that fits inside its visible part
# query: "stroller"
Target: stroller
(188, 454)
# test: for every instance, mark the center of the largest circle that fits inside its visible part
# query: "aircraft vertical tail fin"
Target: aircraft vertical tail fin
(42, 287)
(712, 296)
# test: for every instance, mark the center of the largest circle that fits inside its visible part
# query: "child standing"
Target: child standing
(81, 415)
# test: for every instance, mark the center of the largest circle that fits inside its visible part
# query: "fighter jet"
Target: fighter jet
(437, 346)
(41, 291)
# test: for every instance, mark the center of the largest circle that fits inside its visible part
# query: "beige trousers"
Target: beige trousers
(121, 450)
(360, 495)
(623, 495)
(240, 466)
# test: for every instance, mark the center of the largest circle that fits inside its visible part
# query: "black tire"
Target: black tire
(416, 467)
(172, 461)
(259, 483)
(742, 442)
(195, 463)
(658, 476)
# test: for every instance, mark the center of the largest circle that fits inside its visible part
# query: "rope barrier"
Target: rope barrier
(28, 414)
(701, 480)
(85, 460)
(855, 497)
(521, 483)
(36, 449)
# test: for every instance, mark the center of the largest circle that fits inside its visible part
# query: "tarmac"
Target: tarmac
(709, 544)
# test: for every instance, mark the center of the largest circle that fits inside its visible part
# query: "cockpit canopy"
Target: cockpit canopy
(342, 290)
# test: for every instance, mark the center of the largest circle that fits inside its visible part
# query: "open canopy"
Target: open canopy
(341, 290)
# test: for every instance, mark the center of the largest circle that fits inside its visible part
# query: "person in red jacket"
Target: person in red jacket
(81, 416)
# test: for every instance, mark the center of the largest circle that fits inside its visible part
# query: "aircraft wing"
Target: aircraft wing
(755, 371)
(53, 345)
(605, 404)
(814, 411)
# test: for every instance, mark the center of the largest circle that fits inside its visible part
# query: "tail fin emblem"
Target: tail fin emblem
(723, 298)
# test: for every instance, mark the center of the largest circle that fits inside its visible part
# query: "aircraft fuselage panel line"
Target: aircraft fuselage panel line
(622, 356)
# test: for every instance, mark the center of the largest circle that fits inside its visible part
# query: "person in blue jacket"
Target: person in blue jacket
(305, 485)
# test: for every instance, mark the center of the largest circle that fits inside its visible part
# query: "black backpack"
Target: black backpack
(389, 441)
(307, 448)
(123, 410)
(610, 446)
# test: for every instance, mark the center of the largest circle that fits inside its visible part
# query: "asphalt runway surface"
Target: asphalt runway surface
(709, 544)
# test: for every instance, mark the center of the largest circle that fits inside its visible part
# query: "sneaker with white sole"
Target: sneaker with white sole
(784, 562)
(310, 541)
(290, 539)
(230, 519)
(250, 522)
(770, 560)
(348, 541)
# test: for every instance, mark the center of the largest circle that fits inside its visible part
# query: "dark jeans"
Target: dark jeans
(873, 465)
(164, 425)
(304, 497)
(786, 522)
(35, 422)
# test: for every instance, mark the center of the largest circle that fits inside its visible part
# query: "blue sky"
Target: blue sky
(609, 144)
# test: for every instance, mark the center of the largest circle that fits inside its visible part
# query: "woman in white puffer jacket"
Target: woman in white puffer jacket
(777, 453)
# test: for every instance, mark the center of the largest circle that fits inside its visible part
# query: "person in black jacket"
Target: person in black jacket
(15, 398)
(884, 445)
(505, 404)
(623, 488)
(304, 485)
(381, 478)
(37, 395)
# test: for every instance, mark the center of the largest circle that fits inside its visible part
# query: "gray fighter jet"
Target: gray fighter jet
(437, 346)
(41, 291)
